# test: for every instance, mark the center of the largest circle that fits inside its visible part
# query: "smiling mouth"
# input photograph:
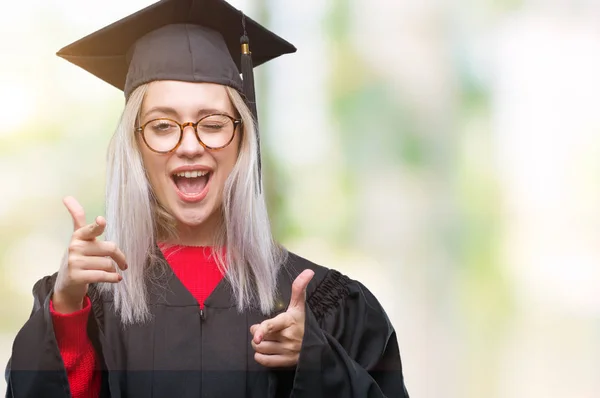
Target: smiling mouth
(191, 183)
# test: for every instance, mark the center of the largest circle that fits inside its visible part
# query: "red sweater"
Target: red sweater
(196, 269)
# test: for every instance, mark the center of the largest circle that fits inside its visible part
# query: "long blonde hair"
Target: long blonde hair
(135, 220)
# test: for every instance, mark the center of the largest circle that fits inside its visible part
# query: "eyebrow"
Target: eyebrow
(172, 112)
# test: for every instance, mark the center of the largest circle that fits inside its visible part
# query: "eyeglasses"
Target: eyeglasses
(212, 131)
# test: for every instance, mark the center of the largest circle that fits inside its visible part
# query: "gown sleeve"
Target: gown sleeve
(36, 367)
(349, 347)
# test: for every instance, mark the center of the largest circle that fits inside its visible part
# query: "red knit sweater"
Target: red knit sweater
(196, 269)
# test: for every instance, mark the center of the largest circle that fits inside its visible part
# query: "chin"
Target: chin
(192, 221)
(200, 214)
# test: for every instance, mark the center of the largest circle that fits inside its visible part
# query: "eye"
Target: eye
(162, 126)
(214, 124)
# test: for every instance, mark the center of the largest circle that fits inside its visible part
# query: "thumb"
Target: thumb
(298, 298)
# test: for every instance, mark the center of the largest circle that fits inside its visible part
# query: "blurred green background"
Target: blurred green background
(446, 154)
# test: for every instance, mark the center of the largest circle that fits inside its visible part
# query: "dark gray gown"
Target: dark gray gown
(349, 347)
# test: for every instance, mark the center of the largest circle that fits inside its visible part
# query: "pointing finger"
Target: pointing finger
(271, 326)
(299, 289)
(76, 211)
(253, 329)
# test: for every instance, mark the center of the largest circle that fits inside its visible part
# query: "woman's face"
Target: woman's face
(194, 198)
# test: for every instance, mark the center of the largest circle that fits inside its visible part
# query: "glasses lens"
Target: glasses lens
(216, 131)
(162, 135)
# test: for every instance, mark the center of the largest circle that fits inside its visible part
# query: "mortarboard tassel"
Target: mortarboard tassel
(249, 91)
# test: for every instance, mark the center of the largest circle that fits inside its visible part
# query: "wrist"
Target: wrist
(66, 305)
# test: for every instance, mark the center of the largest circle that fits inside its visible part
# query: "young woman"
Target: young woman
(188, 295)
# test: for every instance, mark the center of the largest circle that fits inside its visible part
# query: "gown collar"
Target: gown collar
(165, 288)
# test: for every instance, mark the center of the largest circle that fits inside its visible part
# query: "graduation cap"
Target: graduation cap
(188, 40)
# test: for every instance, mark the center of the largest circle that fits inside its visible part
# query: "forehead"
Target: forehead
(186, 97)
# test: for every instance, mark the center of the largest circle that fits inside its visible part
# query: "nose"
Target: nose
(190, 147)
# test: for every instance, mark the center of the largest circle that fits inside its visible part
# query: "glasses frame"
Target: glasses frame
(236, 123)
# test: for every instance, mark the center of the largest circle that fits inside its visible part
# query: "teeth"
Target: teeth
(192, 174)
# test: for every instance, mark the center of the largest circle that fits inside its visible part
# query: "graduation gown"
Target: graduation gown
(349, 347)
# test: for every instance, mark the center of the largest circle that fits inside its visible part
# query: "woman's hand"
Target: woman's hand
(277, 341)
(89, 261)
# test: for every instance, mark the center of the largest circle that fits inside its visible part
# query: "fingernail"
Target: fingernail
(120, 278)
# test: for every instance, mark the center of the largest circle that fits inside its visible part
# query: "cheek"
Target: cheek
(155, 166)
(234, 153)
(227, 160)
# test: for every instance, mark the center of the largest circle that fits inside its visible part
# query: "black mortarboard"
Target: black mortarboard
(188, 40)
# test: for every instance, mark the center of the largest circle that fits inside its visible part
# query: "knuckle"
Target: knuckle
(107, 263)
(70, 278)
(294, 347)
(265, 360)
(287, 334)
(287, 318)
(111, 247)
(75, 246)
(76, 262)
(67, 276)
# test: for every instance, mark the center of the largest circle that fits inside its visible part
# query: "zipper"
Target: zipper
(202, 318)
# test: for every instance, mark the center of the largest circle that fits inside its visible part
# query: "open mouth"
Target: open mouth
(192, 184)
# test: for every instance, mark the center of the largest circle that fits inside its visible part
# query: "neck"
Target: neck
(205, 234)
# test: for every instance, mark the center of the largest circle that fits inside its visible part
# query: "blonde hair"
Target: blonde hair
(135, 220)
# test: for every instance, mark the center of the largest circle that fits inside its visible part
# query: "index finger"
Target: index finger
(76, 211)
(270, 326)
